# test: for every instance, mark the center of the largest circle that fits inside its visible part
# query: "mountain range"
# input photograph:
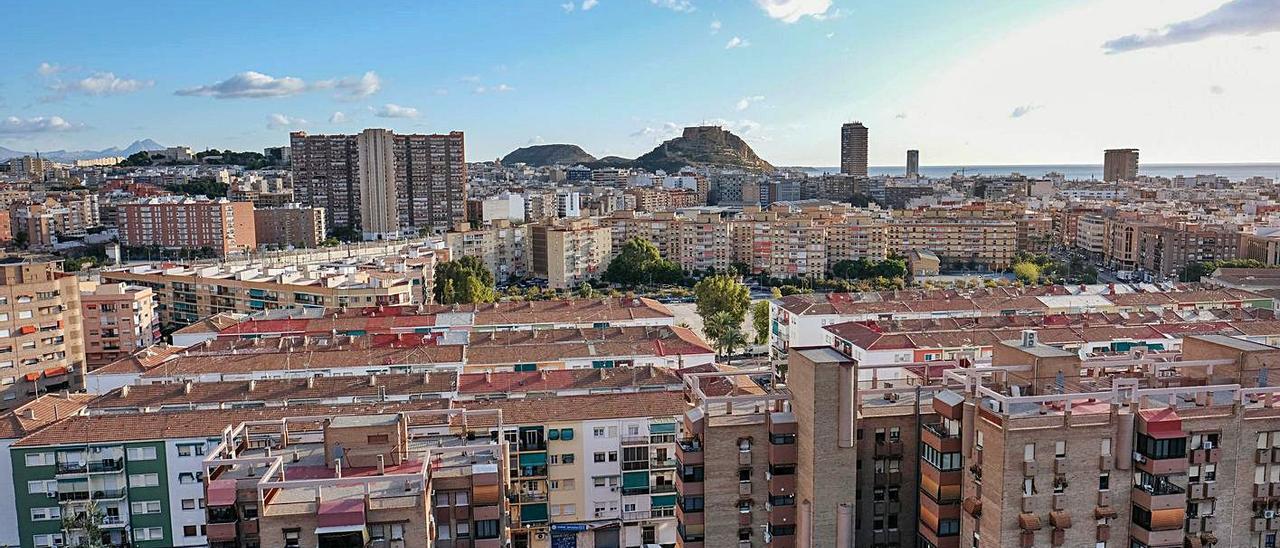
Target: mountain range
(73, 155)
(711, 146)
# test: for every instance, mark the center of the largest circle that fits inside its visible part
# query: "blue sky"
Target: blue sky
(974, 82)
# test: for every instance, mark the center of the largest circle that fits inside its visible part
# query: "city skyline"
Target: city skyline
(1057, 82)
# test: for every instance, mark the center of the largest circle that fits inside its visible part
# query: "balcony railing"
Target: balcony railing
(1161, 489)
(662, 488)
(94, 467)
(106, 494)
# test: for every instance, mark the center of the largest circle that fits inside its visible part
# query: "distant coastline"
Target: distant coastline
(1235, 172)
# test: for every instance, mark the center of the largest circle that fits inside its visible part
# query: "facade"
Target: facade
(41, 335)
(46, 222)
(187, 223)
(569, 253)
(853, 149)
(382, 184)
(119, 320)
(291, 225)
(1120, 164)
(502, 246)
(913, 163)
(185, 295)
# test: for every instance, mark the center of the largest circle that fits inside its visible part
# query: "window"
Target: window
(45, 541)
(567, 458)
(1060, 449)
(488, 529)
(40, 487)
(190, 531)
(1029, 452)
(782, 439)
(188, 504)
(566, 434)
(292, 537)
(148, 533)
(597, 432)
(187, 477)
(39, 459)
(895, 434)
(462, 498)
(46, 514)
(144, 480)
(1028, 487)
(1106, 446)
(598, 456)
(1153, 448)
(948, 527)
(1104, 481)
(462, 530)
(190, 450)
(443, 531)
(613, 456)
(145, 507)
(142, 453)
(377, 439)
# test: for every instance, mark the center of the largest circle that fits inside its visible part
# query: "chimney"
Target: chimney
(426, 378)
(488, 377)
(311, 382)
(382, 466)
(187, 385)
(373, 380)
(542, 374)
(337, 468)
(253, 383)
(124, 391)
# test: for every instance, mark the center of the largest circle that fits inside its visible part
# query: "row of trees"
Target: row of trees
(1036, 269)
(1195, 271)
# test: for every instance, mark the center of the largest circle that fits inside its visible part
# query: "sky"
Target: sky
(966, 82)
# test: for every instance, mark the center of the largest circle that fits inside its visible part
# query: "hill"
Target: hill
(703, 146)
(73, 155)
(548, 155)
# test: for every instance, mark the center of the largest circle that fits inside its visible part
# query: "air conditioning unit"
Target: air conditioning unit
(1138, 457)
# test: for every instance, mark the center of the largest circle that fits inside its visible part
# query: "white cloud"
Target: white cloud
(790, 11)
(715, 26)
(251, 85)
(588, 4)
(745, 102)
(674, 5)
(1236, 17)
(500, 88)
(102, 83)
(280, 121)
(358, 88)
(567, 7)
(256, 85)
(536, 140)
(48, 69)
(736, 42)
(338, 118)
(392, 110)
(470, 79)
(14, 125)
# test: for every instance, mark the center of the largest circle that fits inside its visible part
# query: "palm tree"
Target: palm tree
(731, 340)
(90, 521)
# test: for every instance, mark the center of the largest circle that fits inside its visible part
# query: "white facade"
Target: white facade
(504, 206)
(8, 506)
(184, 460)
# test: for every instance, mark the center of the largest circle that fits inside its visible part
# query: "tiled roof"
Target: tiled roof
(41, 412)
(566, 379)
(141, 361)
(115, 428)
(581, 408)
(296, 361)
(274, 390)
(507, 347)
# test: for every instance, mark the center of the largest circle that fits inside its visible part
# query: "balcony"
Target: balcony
(221, 532)
(95, 467)
(633, 465)
(661, 488)
(783, 454)
(1172, 537)
(689, 452)
(107, 494)
(658, 464)
(888, 448)
(936, 436)
(635, 440)
(1159, 497)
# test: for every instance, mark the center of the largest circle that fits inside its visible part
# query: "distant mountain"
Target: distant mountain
(73, 155)
(548, 155)
(702, 146)
(611, 161)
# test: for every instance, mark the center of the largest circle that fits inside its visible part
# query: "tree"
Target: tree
(585, 291)
(640, 263)
(1027, 272)
(718, 294)
(464, 281)
(760, 321)
(89, 521)
(142, 158)
(1195, 271)
(725, 332)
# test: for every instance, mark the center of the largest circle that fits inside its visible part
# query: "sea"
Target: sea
(1075, 172)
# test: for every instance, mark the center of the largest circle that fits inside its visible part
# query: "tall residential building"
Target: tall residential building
(913, 162)
(293, 224)
(382, 184)
(569, 253)
(181, 222)
(1120, 164)
(41, 339)
(502, 246)
(853, 149)
(119, 319)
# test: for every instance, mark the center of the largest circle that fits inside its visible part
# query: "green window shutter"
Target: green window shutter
(663, 500)
(533, 459)
(635, 479)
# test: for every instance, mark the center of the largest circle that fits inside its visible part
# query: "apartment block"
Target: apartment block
(186, 295)
(119, 319)
(501, 246)
(569, 253)
(1120, 164)
(969, 243)
(178, 222)
(292, 225)
(853, 149)
(1163, 249)
(383, 184)
(42, 346)
(56, 217)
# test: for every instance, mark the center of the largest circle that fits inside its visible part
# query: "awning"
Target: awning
(1060, 519)
(222, 493)
(972, 505)
(1163, 423)
(331, 529)
(1029, 522)
(1104, 512)
(55, 371)
(32, 376)
(341, 513)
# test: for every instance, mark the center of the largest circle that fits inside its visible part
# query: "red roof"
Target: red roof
(1163, 423)
(336, 513)
(222, 492)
